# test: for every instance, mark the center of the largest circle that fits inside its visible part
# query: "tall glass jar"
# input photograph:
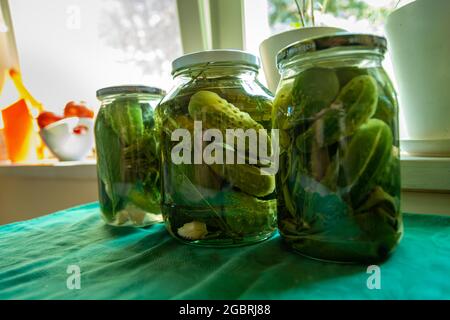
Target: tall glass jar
(208, 200)
(127, 146)
(338, 184)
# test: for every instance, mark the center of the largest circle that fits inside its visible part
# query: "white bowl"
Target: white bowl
(64, 143)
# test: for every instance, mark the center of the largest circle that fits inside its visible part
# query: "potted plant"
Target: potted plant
(420, 49)
(306, 28)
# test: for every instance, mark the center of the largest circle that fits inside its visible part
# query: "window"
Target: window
(70, 48)
(351, 15)
(366, 16)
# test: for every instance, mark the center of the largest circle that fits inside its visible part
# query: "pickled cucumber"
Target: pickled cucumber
(368, 153)
(368, 150)
(326, 130)
(388, 178)
(281, 107)
(125, 117)
(346, 74)
(217, 113)
(314, 89)
(355, 104)
(249, 214)
(246, 177)
(148, 202)
(256, 106)
(179, 122)
(110, 167)
(385, 111)
(359, 99)
(236, 214)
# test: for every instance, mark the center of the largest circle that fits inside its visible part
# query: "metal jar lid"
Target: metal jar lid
(129, 89)
(212, 56)
(344, 39)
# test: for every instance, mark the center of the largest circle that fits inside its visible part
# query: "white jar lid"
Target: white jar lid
(129, 89)
(211, 56)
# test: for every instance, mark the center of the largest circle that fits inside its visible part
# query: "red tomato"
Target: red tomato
(78, 109)
(81, 129)
(45, 118)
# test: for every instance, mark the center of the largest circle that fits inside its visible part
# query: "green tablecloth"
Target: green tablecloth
(126, 263)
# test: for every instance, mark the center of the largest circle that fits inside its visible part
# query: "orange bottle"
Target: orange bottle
(20, 135)
(37, 144)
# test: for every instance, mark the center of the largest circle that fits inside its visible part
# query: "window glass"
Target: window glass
(351, 15)
(267, 17)
(70, 48)
(366, 16)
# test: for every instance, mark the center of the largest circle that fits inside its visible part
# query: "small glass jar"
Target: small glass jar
(208, 202)
(127, 147)
(338, 184)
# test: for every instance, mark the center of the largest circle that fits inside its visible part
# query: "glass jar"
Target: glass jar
(215, 202)
(127, 146)
(338, 184)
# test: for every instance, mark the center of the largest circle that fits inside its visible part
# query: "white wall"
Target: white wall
(29, 192)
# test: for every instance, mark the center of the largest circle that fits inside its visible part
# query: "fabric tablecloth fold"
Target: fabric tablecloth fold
(40, 258)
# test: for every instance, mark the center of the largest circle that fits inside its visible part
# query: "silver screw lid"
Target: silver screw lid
(213, 56)
(342, 39)
(129, 89)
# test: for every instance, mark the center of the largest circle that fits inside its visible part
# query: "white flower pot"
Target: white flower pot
(270, 47)
(419, 40)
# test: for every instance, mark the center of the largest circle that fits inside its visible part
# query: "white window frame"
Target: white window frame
(211, 24)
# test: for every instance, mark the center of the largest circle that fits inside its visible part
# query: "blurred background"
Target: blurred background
(70, 48)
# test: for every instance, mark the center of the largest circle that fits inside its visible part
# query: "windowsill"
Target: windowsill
(418, 173)
(50, 186)
(51, 169)
(425, 173)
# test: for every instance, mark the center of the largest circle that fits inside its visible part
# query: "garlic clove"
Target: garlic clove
(194, 230)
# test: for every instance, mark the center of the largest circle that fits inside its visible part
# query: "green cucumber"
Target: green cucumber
(217, 113)
(314, 89)
(355, 104)
(247, 178)
(365, 157)
(125, 117)
(245, 214)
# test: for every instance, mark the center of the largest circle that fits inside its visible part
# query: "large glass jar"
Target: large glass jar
(127, 146)
(204, 201)
(338, 184)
